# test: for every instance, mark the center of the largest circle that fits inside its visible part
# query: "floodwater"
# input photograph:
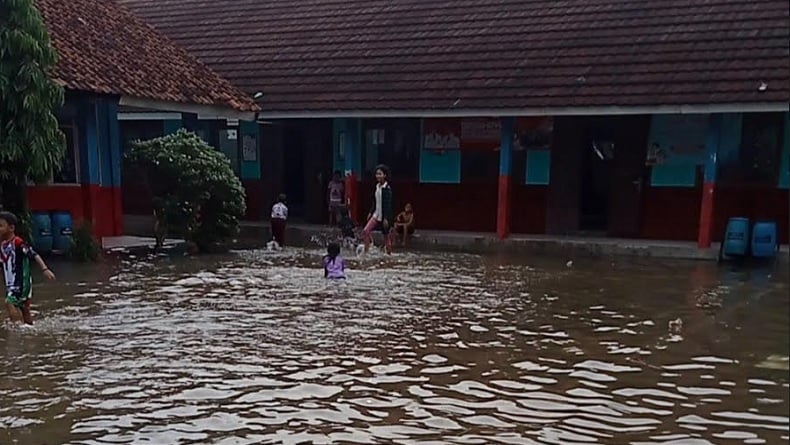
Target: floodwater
(256, 347)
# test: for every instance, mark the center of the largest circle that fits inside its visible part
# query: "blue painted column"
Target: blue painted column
(90, 161)
(171, 126)
(103, 128)
(503, 195)
(712, 142)
(89, 144)
(115, 160)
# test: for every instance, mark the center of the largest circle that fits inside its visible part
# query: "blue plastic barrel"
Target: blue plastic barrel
(736, 238)
(764, 239)
(42, 232)
(62, 229)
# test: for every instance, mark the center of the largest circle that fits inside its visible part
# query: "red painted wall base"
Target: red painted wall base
(100, 206)
(706, 216)
(503, 208)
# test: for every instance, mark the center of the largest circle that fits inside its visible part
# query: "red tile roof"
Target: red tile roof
(325, 55)
(104, 48)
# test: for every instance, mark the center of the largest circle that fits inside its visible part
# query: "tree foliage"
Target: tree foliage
(194, 190)
(31, 144)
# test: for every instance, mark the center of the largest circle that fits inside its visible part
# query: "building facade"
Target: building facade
(661, 176)
(110, 61)
(640, 120)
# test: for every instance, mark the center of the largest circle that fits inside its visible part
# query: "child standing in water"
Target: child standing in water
(336, 195)
(380, 215)
(334, 266)
(15, 256)
(404, 224)
(278, 220)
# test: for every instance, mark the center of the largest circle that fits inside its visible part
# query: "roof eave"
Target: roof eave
(535, 111)
(224, 112)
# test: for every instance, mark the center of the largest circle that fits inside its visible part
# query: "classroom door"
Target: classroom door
(628, 176)
(317, 168)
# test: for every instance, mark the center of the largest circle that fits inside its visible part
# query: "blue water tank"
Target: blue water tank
(764, 239)
(62, 230)
(42, 232)
(736, 238)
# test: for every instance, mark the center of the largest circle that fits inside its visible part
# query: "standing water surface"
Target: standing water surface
(256, 347)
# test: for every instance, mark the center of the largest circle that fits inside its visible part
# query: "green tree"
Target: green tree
(194, 191)
(31, 144)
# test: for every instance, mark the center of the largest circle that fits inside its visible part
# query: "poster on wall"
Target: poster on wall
(441, 135)
(249, 153)
(480, 133)
(534, 133)
(530, 133)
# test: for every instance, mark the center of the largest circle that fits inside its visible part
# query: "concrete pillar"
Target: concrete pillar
(347, 141)
(503, 196)
(114, 135)
(712, 142)
(90, 162)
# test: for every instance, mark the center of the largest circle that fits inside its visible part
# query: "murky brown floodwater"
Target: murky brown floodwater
(442, 349)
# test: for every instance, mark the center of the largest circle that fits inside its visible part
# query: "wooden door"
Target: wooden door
(628, 176)
(317, 168)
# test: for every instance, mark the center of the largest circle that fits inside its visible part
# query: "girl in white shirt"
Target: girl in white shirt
(380, 216)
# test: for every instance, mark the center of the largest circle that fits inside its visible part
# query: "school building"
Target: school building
(110, 61)
(625, 119)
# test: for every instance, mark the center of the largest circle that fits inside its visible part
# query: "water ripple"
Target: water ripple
(256, 348)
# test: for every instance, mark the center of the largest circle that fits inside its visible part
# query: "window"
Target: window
(374, 142)
(394, 142)
(759, 154)
(69, 169)
(761, 141)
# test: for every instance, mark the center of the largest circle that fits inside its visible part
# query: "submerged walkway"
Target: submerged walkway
(255, 234)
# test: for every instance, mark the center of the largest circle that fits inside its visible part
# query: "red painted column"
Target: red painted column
(352, 196)
(503, 208)
(503, 195)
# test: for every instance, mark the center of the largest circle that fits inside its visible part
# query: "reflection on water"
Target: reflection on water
(425, 349)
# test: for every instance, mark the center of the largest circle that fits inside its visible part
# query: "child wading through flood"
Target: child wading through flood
(15, 255)
(334, 266)
(380, 215)
(278, 220)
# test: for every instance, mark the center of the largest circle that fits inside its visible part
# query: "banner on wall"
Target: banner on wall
(534, 133)
(441, 135)
(530, 133)
(677, 139)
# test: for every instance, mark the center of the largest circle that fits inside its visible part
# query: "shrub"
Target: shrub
(195, 193)
(84, 246)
